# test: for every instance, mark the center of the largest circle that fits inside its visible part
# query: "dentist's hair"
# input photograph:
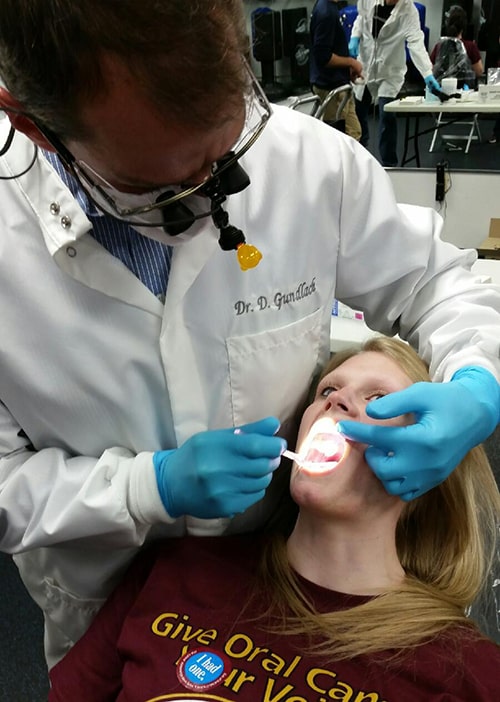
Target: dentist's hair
(185, 55)
(446, 541)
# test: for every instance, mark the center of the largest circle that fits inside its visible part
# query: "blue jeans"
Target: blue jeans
(387, 128)
(363, 110)
(387, 133)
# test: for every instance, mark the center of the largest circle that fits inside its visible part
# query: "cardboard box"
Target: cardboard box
(490, 247)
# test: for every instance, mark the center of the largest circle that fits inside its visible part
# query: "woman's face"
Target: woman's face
(344, 394)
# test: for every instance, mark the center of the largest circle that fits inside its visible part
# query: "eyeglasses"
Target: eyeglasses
(148, 209)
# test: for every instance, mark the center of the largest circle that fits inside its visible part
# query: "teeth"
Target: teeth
(325, 448)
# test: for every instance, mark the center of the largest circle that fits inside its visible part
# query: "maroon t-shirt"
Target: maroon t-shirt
(471, 49)
(177, 629)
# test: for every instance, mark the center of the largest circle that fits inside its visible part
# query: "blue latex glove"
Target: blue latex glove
(219, 473)
(431, 83)
(354, 47)
(451, 418)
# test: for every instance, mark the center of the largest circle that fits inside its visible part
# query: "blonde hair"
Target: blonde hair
(446, 541)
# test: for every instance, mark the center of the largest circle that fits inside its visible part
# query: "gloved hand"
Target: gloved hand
(451, 418)
(354, 47)
(431, 83)
(219, 473)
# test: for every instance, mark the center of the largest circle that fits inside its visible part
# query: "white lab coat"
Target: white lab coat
(384, 58)
(96, 373)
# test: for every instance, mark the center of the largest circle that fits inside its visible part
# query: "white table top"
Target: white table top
(419, 104)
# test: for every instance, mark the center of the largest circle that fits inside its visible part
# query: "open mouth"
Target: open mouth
(323, 449)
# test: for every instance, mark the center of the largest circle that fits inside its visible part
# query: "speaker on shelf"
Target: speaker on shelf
(292, 20)
(266, 35)
(296, 44)
(267, 48)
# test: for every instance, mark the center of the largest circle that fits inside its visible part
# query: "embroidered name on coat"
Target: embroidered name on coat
(276, 301)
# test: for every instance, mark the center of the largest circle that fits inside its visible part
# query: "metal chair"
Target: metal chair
(473, 134)
(346, 91)
(297, 103)
(319, 107)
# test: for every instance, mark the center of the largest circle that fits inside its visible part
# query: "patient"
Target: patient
(361, 597)
(456, 57)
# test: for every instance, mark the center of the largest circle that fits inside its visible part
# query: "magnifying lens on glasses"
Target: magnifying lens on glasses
(178, 217)
(168, 208)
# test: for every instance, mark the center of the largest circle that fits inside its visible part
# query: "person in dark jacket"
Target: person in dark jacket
(330, 63)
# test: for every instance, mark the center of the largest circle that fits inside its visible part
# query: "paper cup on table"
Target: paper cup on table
(449, 85)
(482, 92)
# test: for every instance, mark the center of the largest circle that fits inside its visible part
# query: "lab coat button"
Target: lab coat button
(71, 251)
(55, 208)
(66, 222)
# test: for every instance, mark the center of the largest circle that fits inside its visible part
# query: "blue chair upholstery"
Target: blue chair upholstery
(421, 12)
(347, 17)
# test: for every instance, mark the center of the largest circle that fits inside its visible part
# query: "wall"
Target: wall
(470, 203)
(433, 16)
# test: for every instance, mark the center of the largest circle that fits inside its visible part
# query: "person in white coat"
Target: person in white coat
(379, 36)
(143, 373)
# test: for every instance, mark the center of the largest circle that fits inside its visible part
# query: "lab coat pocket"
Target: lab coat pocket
(69, 614)
(270, 372)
